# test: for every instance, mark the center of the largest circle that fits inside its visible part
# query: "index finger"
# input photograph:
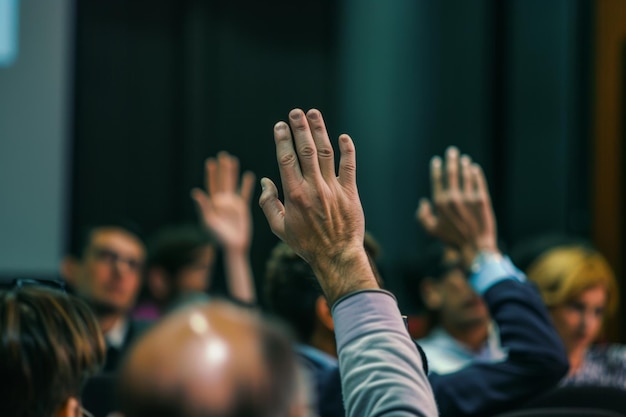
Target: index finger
(288, 165)
(435, 177)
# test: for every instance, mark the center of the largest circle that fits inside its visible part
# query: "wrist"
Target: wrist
(345, 273)
(482, 258)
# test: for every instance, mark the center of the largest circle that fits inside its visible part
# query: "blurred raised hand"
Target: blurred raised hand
(460, 213)
(224, 209)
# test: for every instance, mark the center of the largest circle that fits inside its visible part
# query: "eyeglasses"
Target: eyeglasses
(18, 283)
(111, 257)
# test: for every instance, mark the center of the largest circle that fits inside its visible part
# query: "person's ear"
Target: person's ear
(70, 408)
(158, 284)
(431, 294)
(70, 266)
(322, 311)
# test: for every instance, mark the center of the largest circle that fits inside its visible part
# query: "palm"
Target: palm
(225, 208)
(227, 216)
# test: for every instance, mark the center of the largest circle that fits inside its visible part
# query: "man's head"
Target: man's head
(180, 260)
(50, 343)
(446, 291)
(293, 293)
(212, 359)
(106, 268)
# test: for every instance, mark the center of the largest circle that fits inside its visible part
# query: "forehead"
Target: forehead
(592, 296)
(118, 239)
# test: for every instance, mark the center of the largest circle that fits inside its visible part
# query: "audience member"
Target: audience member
(211, 359)
(461, 330)
(224, 210)
(181, 258)
(322, 220)
(106, 271)
(293, 294)
(579, 287)
(494, 346)
(218, 360)
(50, 343)
(179, 264)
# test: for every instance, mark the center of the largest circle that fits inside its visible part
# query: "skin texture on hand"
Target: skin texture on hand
(463, 216)
(225, 211)
(321, 218)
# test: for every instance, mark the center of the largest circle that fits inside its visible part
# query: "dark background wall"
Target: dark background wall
(161, 85)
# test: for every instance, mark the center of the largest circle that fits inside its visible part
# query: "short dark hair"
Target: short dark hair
(50, 344)
(291, 288)
(82, 240)
(175, 247)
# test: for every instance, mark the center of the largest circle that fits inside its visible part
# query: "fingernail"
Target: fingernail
(280, 126)
(453, 151)
(313, 114)
(295, 114)
(435, 161)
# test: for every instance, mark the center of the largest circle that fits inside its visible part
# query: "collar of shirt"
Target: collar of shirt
(446, 354)
(115, 337)
(322, 359)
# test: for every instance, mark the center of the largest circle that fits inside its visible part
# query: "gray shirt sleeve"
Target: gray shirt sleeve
(381, 369)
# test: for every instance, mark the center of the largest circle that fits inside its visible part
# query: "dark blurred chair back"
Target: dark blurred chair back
(583, 396)
(561, 412)
(99, 395)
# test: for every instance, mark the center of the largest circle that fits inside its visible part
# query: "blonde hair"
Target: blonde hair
(564, 272)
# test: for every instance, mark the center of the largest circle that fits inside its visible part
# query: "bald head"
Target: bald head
(212, 359)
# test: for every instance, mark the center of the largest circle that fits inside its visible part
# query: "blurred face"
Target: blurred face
(456, 301)
(109, 274)
(196, 277)
(579, 320)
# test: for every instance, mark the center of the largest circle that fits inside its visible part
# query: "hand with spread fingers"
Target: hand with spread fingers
(321, 217)
(463, 216)
(225, 211)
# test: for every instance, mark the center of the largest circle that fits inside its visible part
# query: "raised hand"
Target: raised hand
(463, 216)
(321, 218)
(225, 207)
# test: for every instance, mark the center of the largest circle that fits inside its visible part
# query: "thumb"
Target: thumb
(272, 207)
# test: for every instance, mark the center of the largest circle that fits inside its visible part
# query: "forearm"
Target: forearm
(239, 277)
(381, 369)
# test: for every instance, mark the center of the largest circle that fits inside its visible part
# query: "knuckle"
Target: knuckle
(297, 195)
(349, 166)
(287, 159)
(307, 151)
(325, 152)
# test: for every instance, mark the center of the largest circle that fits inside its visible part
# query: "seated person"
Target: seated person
(105, 270)
(216, 359)
(461, 329)
(293, 294)
(579, 287)
(181, 258)
(179, 264)
(494, 346)
(50, 343)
